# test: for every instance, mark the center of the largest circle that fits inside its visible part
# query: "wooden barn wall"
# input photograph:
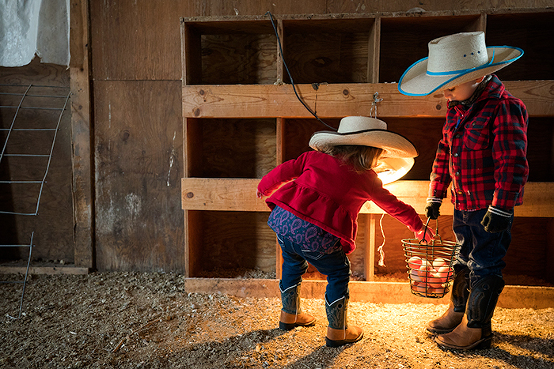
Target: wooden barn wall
(136, 77)
(122, 157)
(52, 228)
(138, 145)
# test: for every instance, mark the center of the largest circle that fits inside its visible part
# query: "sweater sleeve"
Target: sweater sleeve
(283, 173)
(396, 208)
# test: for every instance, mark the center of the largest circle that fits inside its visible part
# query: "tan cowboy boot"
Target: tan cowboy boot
(446, 322)
(462, 337)
(291, 314)
(475, 329)
(289, 321)
(452, 317)
(338, 333)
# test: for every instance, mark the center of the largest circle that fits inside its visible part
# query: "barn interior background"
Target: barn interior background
(177, 108)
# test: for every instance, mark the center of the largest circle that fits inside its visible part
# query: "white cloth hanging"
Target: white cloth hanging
(29, 27)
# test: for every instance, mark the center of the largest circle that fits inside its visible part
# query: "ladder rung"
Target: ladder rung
(31, 155)
(29, 107)
(19, 182)
(16, 213)
(28, 129)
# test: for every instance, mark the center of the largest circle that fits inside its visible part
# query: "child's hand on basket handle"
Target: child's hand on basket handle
(432, 207)
(425, 234)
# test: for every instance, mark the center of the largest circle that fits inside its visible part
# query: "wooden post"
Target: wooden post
(280, 153)
(374, 51)
(82, 128)
(280, 57)
(370, 249)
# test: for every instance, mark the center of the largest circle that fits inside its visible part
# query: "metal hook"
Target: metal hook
(376, 100)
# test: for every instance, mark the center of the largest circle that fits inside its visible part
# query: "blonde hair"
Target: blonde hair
(361, 158)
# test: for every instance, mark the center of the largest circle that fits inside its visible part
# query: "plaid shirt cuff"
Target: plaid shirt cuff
(434, 199)
(505, 199)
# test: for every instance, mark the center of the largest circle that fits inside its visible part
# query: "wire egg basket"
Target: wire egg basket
(430, 265)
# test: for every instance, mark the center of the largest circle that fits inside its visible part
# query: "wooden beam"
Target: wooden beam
(280, 156)
(374, 51)
(81, 122)
(280, 57)
(190, 60)
(230, 194)
(338, 100)
(512, 297)
(43, 270)
(370, 249)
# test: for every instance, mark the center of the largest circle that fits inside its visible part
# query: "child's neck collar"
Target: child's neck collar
(476, 94)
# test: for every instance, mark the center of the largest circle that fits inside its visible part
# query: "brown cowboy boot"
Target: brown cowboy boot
(338, 333)
(291, 314)
(475, 329)
(452, 317)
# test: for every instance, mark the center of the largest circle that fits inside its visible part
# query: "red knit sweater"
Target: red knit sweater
(328, 193)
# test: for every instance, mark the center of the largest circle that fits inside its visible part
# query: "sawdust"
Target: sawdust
(141, 320)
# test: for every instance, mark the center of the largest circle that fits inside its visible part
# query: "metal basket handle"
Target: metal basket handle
(437, 235)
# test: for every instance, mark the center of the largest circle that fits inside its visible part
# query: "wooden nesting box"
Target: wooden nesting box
(242, 118)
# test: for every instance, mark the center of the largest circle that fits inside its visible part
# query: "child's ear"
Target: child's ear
(479, 80)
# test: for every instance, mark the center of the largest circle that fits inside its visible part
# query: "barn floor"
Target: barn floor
(139, 320)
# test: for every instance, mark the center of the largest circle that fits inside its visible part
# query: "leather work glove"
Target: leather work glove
(496, 220)
(432, 207)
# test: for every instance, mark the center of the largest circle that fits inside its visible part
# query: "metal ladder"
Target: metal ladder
(33, 113)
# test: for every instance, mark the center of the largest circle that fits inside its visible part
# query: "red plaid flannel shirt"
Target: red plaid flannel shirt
(483, 152)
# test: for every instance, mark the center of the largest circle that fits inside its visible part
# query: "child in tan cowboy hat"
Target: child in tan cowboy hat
(482, 154)
(315, 201)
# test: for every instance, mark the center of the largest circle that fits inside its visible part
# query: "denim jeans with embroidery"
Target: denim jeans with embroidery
(482, 252)
(302, 243)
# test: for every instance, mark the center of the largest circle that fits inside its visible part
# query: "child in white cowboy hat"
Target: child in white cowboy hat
(482, 153)
(315, 201)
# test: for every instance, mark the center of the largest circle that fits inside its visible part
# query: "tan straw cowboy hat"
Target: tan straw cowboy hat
(453, 60)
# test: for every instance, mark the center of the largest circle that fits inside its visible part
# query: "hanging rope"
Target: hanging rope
(380, 248)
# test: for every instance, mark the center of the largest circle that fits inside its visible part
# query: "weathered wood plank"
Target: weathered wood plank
(138, 141)
(221, 194)
(374, 51)
(136, 40)
(338, 100)
(83, 210)
(240, 195)
(44, 270)
(230, 148)
(513, 297)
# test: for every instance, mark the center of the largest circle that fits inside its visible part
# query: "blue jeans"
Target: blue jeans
(480, 251)
(334, 265)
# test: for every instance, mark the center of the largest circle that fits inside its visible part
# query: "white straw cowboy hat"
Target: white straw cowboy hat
(365, 131)
(453, 60)
(399, 152)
